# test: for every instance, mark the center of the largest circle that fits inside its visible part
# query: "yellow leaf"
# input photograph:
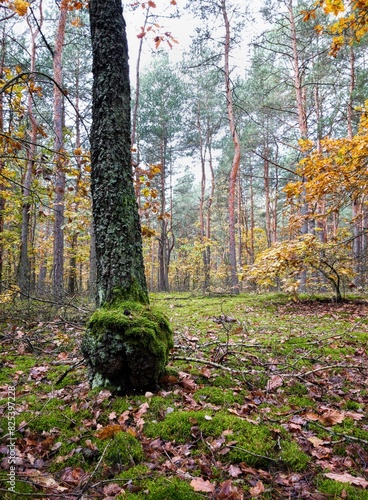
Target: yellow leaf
(20, 7)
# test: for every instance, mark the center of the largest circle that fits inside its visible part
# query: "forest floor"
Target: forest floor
(265, 398)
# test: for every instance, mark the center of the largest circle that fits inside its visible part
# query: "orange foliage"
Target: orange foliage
(337, 171)
(350, 24)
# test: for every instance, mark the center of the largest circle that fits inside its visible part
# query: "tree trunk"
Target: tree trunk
(127, 341)
(208, 219)
(24, 270)
(73, 274)
(236, 158)
(303, 126)
(58, 269)
(163, 284)
(120, 270)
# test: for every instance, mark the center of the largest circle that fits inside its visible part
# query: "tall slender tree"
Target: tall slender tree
(58, 271)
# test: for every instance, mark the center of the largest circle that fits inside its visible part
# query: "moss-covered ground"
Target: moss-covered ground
(263, 398)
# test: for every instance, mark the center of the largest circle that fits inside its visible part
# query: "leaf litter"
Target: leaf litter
(266, 366)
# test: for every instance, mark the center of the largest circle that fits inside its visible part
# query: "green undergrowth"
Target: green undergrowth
(258, 389)
(253, 443)
(165, 488)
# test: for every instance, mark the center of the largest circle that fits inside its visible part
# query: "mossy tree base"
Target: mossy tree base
(126, 347)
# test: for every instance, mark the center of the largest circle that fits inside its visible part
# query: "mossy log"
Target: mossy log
(126, 347)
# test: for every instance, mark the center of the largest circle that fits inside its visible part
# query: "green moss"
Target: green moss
(175, 427)
(255, 444)
(298, 389)
(124, 449)
(134, 473)
(126, 346)
(216, 396)
(334, 489)
(301, 402)
(21, 487)
(164, 489)
(224, 381)
(295, 459)
(351, 405)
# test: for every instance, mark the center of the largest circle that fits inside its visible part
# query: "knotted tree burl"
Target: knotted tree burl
(127, 341)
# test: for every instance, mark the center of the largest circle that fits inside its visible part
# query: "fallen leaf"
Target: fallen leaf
(38, 372)
(112, 489)
(274, 382)
(45, 481)
(228, 491)
(108, 431)
(234, 471)
(354, 415)
(142, 410)
(102, 395)
(345, 477)
(199, 484)
(316, 442)
(311, 416)
(256, 490)
(332, 417)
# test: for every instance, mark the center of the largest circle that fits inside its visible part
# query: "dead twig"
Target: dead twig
(210, 363)
(73, 367)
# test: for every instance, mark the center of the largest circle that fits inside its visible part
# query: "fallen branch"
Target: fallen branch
(210, 363)
(321, 368)
(347, 437)
(80, 493)
(61, 378)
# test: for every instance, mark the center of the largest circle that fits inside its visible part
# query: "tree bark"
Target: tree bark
(127, 341)
(58, 268)
(303, 125)
(120, 269)
(24, 269)
(235, 164)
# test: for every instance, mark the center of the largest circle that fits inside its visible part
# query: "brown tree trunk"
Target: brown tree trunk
(58, 253)
(266, 181)
(163, 284)
(234, 283)
(357, 214)
(73, 273)
(209, 213)
(24, 269)
(302, 120)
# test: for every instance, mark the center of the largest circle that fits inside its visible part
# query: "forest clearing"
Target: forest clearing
(177, 258)
(264, 398)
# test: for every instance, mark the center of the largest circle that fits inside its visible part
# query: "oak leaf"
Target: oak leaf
(199, 484)
(256, 490)
(228, 491)
(332, 417)
(316, 442)
(274, 382)
(345, 477)
(108, 431)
